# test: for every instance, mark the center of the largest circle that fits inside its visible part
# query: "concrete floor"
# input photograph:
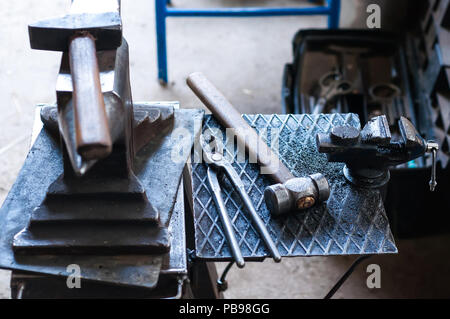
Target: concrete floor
(244, 58)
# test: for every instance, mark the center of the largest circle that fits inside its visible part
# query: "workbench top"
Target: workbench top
(352, 222)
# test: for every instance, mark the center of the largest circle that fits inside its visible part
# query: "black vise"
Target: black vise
(369, 153)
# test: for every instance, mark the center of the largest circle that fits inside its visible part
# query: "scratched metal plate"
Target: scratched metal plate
(352, 222)
(161, 179)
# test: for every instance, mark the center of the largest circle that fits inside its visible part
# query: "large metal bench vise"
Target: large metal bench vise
(369, 153)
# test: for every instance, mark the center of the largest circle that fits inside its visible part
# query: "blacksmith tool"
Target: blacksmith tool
(97, 205)
(350, 65)
(215, 158)
(331, 86)
(384, 94)
(290, 194)
(369, 153)
(90, 26)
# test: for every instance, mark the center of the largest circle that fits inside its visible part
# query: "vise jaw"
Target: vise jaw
(369, 153)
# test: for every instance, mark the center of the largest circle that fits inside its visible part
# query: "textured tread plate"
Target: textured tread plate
(352, 222)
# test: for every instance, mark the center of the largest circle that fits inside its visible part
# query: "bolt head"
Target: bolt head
(306, 202)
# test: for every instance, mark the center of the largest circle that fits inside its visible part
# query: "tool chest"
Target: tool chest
(417, 64)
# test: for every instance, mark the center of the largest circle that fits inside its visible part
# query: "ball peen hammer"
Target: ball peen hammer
(289, 194)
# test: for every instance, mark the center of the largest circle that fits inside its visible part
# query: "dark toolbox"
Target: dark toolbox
(398, 75)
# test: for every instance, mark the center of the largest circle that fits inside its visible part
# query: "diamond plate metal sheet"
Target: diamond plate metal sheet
(352, 222)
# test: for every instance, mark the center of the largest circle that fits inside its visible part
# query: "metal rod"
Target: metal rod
(224, 218)
(257, 221)
(161, 43)
(433, 172)
(222, 284)
(433, 182)
(334, 13)
(93, 139)
(247, 12)
(347, 274)
(259, 225)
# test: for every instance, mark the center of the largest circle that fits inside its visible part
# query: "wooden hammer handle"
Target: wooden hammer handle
(93, 140)
(229, 117)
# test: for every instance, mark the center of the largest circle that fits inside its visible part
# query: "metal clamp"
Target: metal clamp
(369, 153)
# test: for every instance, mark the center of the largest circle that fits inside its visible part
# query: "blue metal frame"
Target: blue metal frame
(332, 10)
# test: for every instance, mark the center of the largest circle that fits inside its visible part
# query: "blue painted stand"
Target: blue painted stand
(332, 10)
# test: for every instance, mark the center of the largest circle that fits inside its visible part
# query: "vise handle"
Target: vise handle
(229, 117)
(93, 140)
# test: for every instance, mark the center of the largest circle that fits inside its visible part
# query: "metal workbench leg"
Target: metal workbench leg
(335, 12)
(202, 275)
(160, 17)
(203, 278)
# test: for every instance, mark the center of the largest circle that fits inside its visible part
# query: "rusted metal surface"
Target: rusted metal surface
(151, 120)
(93, 139)
(116, 90)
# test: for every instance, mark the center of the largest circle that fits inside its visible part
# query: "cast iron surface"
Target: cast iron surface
(159, 176)
(369, 153)
(171, 278)
(176, 261)
(352, 222)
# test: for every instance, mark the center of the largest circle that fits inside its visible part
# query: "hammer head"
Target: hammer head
(101, 18)
(296, 194)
